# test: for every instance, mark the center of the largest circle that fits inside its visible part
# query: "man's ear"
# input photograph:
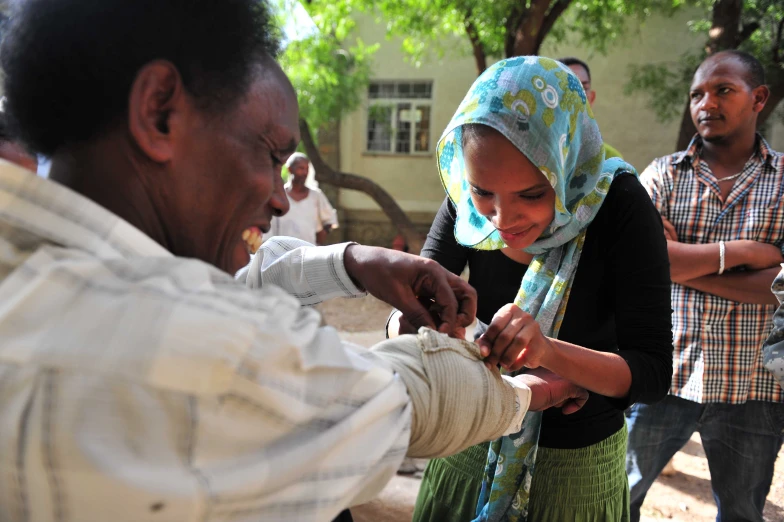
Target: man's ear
(591, 97)
(157, 94)
(760, 95)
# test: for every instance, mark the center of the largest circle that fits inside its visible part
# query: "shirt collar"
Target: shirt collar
(54, 214)
(695, 147)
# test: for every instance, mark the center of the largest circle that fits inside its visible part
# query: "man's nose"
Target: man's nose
(709, 102)
(279, 201)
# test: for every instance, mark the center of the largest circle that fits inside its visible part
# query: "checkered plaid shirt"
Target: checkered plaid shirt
(718, 342)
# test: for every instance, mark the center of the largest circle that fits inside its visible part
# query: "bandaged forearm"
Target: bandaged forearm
(457, 402)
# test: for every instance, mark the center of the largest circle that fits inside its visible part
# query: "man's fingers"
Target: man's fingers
(417, 315)
(405, 326)
(580, 401)
(435, 285)
(577, 397)
(571, 406)
(466, 300)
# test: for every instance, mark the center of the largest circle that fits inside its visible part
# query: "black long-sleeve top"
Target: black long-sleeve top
(619, 303)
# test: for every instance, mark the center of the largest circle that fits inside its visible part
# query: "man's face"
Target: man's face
(299, 171)
(225, 174)
(582, 74)
(722, 104)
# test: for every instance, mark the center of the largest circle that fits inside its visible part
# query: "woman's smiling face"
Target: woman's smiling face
(507, 188)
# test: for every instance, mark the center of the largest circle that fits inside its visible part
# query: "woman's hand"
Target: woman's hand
(514, 340)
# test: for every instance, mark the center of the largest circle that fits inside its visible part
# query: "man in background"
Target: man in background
(721, 206)
(583, 72)
(310, 216)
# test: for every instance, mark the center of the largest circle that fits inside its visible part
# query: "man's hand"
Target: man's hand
(405, 281)
(549, 390)
(756, 255)
(399, 325)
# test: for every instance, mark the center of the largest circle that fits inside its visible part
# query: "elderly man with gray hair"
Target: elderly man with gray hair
(310, 216)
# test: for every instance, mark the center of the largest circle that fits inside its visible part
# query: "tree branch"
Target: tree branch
(549, 21)
(326, 174)
(746, 32)
(479, 52)
(516, 17)
(724, 29)
(526, 34)
(777, 43)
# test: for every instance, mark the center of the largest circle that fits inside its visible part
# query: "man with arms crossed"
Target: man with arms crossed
(721, 205)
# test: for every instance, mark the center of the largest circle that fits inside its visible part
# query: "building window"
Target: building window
(399, 117)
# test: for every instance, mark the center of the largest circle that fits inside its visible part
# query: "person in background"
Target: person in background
(310, 216)
(720, 201)
(583, 72)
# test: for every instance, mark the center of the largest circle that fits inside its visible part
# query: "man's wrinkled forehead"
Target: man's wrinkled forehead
(274, 104)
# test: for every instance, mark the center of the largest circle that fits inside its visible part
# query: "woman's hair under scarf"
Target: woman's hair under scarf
(540, 107)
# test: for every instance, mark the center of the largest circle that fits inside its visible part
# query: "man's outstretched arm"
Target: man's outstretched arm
(315, 274)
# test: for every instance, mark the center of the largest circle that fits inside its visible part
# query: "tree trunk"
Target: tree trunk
(480, 58)
(530, 26)
(326, 174)
(726, 33)
(725, 27)
(524, 38)
(776, 95)
(687, 129)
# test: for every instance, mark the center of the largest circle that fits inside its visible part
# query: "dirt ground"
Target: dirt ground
(685, 496)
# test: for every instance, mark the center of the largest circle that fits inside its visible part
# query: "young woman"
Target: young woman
(532, 199)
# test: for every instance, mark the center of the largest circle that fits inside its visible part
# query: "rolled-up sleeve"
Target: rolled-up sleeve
(310, 273)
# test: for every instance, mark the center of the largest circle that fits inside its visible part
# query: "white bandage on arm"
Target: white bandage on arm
(457, 402)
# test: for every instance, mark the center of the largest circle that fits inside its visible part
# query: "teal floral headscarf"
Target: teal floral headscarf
(541, 108)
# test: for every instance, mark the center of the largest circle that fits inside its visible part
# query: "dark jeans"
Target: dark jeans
(741, 443)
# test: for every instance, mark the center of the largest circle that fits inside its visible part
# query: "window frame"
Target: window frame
(394, 103)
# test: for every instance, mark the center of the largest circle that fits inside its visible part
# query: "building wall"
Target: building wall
(625, 121)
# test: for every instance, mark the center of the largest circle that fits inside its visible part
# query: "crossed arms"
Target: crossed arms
(697, 267)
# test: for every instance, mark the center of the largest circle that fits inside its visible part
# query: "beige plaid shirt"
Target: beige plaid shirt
(137, 386)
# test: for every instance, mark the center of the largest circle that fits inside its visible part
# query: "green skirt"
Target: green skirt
(584, 485)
